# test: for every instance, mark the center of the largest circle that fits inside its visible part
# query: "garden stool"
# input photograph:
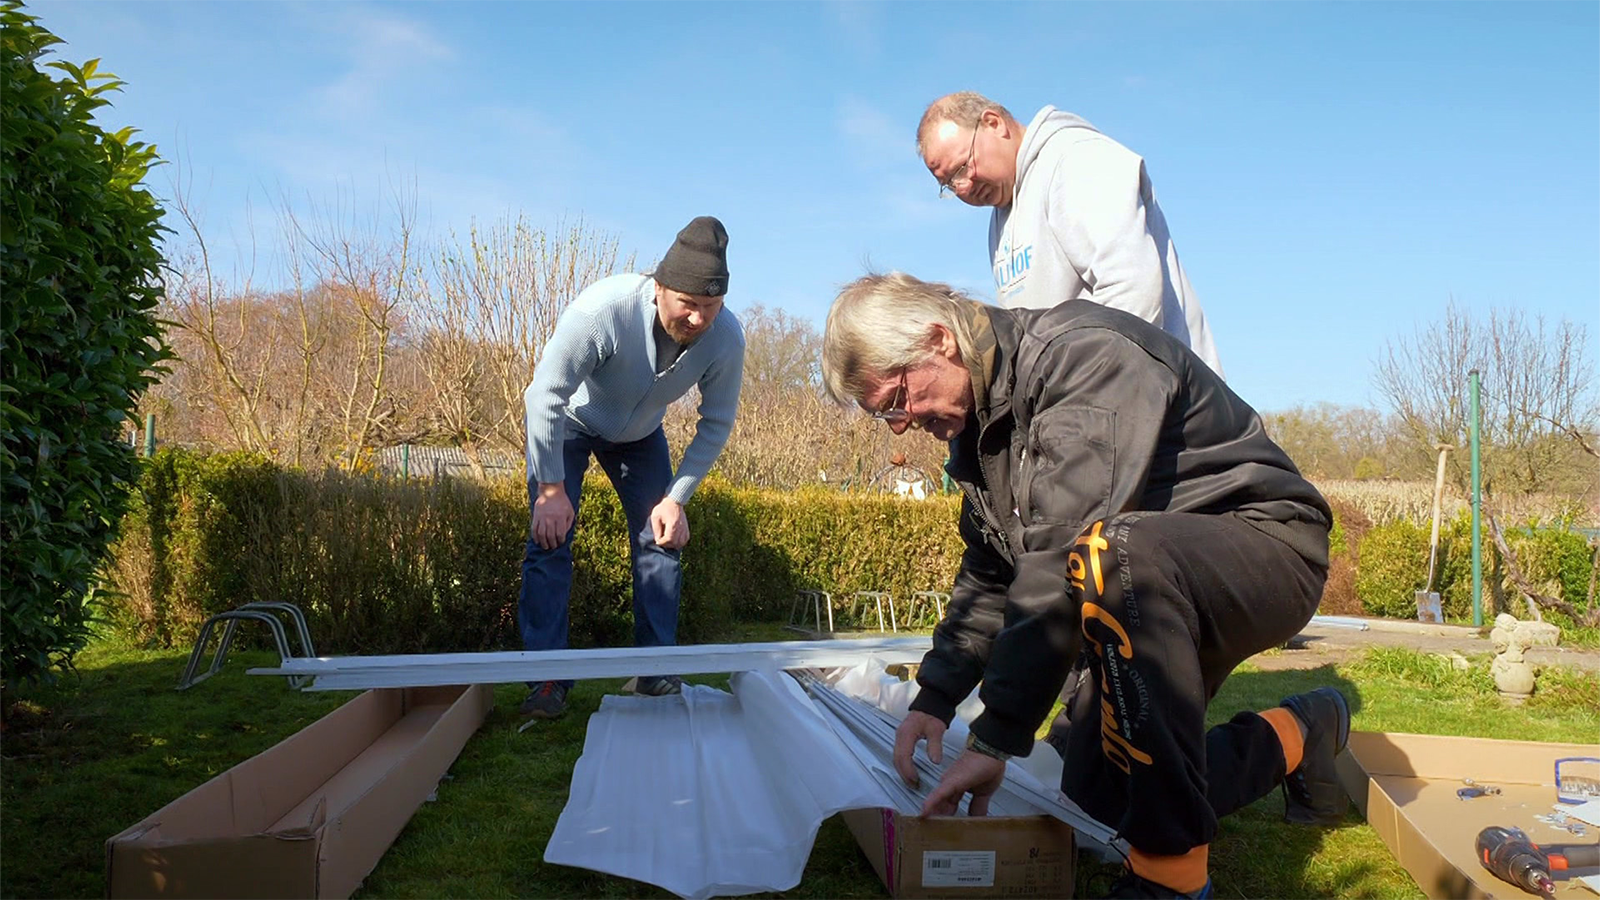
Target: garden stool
(921, 600)
(818, 600)
(879, 597)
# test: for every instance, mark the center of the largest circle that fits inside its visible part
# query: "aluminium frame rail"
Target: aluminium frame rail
(430, 669)
(875, 730)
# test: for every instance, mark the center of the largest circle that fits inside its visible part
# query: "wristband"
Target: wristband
(978, 745)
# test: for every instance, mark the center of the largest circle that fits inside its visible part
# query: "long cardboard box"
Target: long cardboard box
(966, 857)
(310, 816)
(1406, 784)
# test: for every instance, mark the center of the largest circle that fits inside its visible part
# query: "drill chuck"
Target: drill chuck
(1512, 857)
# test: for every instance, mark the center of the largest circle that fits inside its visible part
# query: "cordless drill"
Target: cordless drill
(1514, 858)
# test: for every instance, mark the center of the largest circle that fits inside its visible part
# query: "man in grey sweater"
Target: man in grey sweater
(627, 348)
(1075, 216)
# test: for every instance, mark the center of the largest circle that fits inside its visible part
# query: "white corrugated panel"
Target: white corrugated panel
(714, 793)
(709, 793)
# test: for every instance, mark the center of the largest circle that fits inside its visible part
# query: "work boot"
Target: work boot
(1133, 887)
(1312, 793)
(547, 700)
(658, 685)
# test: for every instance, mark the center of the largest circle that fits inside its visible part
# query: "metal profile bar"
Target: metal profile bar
(419, 670)
(876, 728)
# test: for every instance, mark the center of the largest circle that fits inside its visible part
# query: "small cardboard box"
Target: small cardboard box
(1405, 784)
(309, 817)
(963, 856)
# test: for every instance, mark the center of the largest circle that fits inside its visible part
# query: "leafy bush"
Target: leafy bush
(1393, 567)
(80, 268)
(1558, 562)
(1350, 524)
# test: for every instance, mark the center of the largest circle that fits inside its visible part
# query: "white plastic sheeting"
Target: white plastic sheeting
(708, 793)
(714, 793)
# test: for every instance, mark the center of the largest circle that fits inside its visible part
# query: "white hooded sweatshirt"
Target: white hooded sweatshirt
(1083, 224)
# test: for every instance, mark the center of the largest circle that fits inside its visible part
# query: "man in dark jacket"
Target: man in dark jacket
(1119, 499)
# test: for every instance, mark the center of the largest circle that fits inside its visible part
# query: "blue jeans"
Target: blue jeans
(641, 471)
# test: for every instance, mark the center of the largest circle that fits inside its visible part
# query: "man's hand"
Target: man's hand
(552, 515)
(670, 525)
(917, 726)
(972, 772)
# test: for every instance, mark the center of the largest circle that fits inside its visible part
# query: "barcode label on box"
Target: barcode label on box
(958, 868)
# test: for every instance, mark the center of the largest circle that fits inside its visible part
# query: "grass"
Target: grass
(105, 748)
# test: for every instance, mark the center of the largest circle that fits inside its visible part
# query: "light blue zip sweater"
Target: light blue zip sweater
(597, 375)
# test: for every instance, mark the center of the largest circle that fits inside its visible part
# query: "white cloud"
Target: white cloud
(883, 149)
(858, 25)
(875, 140)
(381, 49)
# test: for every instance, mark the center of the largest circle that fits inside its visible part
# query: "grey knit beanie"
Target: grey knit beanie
(697, 262)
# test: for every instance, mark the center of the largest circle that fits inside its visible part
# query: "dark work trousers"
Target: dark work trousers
(1170, 604)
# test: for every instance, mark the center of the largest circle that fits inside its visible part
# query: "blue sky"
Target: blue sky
(1332, 173)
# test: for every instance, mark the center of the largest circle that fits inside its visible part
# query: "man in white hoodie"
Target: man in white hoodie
(1074, 215)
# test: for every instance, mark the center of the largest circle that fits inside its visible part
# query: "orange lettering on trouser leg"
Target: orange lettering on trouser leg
(1076, 570)
(1113, 743)
(1095, 543)
(1096, 612)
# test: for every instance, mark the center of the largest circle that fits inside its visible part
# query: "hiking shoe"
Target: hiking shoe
(658, 685)
(1312, 793)
(547, 700)
(1133, 887)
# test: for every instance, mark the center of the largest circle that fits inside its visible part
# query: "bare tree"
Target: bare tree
(222, 341)
(787, 434)
(364, 279)
(304, 373)
(1327, 440)
(1537, 393)
(1537, 390)
(498, 296)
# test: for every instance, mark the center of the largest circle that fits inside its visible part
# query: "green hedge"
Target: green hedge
(1394, 566)
(381, 566)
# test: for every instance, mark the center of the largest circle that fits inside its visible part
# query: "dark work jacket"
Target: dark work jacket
(1090, 412)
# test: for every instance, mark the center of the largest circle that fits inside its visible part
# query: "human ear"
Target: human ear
(942, 341)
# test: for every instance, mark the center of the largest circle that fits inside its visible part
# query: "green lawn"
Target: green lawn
(108, 746)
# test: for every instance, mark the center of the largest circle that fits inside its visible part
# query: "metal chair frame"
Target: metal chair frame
(938, 600)
(264, 611)
(877, 597)
(818, 600)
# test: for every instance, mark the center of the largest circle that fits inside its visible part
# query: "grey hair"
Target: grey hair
(880, 323)
(963, 108)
